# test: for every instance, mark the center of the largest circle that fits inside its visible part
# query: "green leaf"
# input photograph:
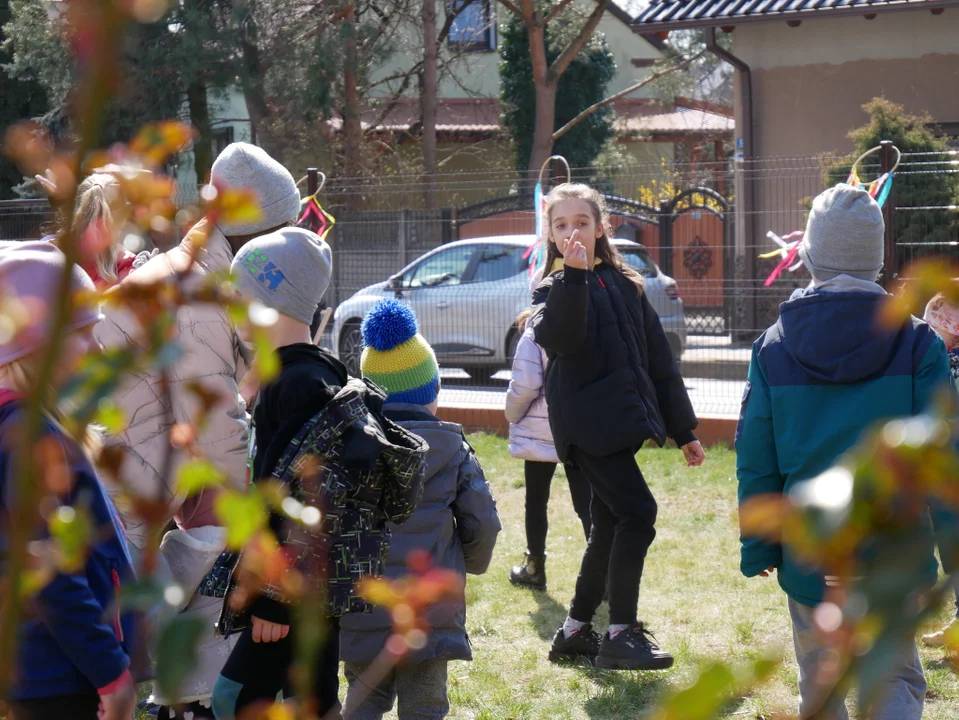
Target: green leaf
(110, 416)
(176, 652)
(716, 685)
(266, 362)
(242, 516)
(72, 530)
(143, 595)
(197, 475)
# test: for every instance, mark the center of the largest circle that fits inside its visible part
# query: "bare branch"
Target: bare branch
(512, 7)
(572, 50)
(631, 89)
(556, 11)
(394, 101)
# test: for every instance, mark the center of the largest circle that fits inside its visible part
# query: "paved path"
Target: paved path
(711, 398)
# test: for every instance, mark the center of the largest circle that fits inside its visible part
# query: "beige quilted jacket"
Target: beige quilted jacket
(212, 355)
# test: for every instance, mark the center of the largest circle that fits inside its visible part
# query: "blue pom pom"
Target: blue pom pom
(388, 324)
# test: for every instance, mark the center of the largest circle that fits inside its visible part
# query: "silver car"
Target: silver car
(468, 294)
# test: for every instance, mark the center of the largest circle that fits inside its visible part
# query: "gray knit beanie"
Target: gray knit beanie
(246, 166)
(288, 270)
(844, 235)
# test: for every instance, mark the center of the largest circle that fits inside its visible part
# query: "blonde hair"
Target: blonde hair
(605, 250)
(100, 201)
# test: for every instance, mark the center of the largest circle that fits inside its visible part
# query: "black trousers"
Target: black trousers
(539, 478)
(262, 670)
(623, 513)
(60, 707)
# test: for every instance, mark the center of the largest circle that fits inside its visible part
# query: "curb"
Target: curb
(712, 430)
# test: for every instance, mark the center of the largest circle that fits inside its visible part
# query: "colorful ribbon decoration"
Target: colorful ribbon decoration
(313, 217)
(878, 190)
(536, 252)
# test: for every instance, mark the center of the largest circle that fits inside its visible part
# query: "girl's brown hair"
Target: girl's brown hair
(605, 250)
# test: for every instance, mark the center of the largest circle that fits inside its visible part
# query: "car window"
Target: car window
(443, 268)
(640, 260)
(499, 262)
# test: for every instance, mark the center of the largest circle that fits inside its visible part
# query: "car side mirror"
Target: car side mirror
(396, 284)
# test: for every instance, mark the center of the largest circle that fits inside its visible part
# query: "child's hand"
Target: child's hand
(264, 631)
(119, 705)
(768, 571)
(575, 254)
(695, 455)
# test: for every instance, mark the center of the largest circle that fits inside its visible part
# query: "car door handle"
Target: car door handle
(442, 305)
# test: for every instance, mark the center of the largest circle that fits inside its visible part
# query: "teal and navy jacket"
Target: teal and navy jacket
(818, 378)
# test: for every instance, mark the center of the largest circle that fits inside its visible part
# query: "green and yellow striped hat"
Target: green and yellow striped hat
(396, 357)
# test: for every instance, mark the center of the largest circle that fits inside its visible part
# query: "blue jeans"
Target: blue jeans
(419, 687)
(905, 689)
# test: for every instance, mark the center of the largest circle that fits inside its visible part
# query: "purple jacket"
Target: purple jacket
(529, 434)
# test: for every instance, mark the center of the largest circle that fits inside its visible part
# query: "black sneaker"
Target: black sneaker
(583, 644)
(531, 574)
(632, 649)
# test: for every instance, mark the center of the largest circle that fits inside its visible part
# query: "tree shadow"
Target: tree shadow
(623, 694)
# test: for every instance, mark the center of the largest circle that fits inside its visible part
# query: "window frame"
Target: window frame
(490, 40)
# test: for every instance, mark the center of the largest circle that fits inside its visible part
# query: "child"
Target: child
(612, 385)
(455, 521)
(289, 271)
(818, 378)
(74, 651)
(944, 319)
(531, 440)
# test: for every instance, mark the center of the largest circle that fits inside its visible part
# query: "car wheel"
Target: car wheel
(675, 345)
(351, 347)
(512, 341)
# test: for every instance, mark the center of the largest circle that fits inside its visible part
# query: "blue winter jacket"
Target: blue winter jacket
(820, 377)
(455, 521)
(72, 640)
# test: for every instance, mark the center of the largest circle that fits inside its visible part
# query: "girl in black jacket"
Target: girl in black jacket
(612, 384)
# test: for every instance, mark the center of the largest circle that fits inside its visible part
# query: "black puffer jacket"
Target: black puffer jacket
(612, 382)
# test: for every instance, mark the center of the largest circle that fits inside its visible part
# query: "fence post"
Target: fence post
(666, 236)
(401, 237)
(890, 257)
(312, 181)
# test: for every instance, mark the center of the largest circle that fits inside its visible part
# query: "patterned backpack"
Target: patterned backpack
(361, 470)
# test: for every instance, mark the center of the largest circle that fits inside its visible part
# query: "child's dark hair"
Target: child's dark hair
(605, 250)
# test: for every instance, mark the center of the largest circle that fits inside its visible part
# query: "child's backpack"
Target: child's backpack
(361, 470)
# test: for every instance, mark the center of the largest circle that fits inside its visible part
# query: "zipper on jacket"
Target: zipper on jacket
(117, 627)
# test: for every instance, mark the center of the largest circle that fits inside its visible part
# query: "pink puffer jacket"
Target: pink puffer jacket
(529, 434)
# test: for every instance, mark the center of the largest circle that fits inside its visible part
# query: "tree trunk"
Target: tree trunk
(352, 127)
(428, 101)
(545, 121)
(252, 81)
(200, 117)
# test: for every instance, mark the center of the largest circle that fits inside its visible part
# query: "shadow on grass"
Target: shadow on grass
(548, 616)
(628, 695)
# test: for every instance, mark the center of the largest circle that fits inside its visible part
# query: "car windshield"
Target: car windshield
(499, 262)
(640, 260)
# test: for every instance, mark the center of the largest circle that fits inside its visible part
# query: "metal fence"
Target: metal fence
(700, 255)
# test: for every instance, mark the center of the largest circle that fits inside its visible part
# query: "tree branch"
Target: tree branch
(512, 7)
(556, 11)
(631, 89)
(572, 50)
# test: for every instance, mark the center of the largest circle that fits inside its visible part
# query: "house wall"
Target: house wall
(810, 82)
(477, 73)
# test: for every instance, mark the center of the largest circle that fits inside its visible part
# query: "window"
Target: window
(473, 28)
(221, 138)
(640, 261)
(500, 262)
(443, 268)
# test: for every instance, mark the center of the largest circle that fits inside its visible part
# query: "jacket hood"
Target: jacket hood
(832, 331)
(304, 352)
(445, 439)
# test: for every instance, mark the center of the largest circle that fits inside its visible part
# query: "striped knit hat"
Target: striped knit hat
(396, 357)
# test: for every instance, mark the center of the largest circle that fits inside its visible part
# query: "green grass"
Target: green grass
(693, 597)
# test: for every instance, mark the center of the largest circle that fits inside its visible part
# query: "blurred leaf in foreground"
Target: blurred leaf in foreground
(243, 515)
(197, 475)
(176, 652)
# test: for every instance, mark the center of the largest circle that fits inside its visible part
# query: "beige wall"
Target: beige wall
(477, 74)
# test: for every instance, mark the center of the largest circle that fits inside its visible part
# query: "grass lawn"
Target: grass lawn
(693, 597)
